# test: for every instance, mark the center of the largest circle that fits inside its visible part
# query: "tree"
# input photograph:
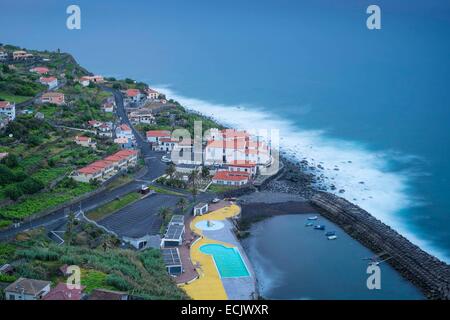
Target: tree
(193, 177)
(165, 213)
(205, 172)
(182, 204)
(68, 235)
(170, 170)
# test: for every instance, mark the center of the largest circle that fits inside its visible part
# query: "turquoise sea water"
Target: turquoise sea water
(228, 260)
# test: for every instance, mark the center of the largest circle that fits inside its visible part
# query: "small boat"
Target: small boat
(309, 224)
(334, 237)
(330, 233)
(319, 227)
(312, 218)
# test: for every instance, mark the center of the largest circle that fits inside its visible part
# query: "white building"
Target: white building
(27, 289)
(8, 110)
(153, 136)
(3, 56)
(124, 131)
(51, 82)
(141, 116)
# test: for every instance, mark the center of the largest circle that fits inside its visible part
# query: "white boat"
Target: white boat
(332, 237)
(312, 218)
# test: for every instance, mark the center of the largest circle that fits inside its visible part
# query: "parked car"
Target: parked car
(215, 200)
(166, 159)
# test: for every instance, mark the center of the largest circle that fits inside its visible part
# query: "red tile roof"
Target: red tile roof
(133, 92)
(4, 104)
(124, 127)
(231, 176)
(158, 133)
(62, 292)
(47, 80)
(40, 70)
(82, 138)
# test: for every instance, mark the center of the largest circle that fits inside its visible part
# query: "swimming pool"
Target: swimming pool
(228, 261)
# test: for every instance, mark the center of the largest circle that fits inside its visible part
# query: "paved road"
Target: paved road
(155, 168)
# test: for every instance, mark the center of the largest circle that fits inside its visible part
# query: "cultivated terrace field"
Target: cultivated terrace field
(41, 154)
(82, 104)
(34, 176)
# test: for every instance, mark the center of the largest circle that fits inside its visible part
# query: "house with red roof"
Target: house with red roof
(53, 97)
(8, 110)
(85, 142)
(40, 70)
(102, 170)
(153, 136)
(64, 291)
(133, 96)
(238, 149)
(231, 178)
(124, 131)
(51, 82)
(152, 94)
(241, 166)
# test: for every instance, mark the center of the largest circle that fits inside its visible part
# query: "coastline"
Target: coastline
(424, 270)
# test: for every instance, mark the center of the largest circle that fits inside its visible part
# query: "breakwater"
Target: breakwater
(427, 272)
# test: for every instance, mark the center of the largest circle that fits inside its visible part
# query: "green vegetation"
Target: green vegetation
(18, 84)
(139, 273)
(113, 206)
(215, 188)
(164, 190)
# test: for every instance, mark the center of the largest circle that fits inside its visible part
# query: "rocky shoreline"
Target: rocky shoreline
(427, 272)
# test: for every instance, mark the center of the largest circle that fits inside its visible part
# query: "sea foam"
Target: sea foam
(363, 174)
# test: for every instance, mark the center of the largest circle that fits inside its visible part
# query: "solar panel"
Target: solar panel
(174, 231)
(171, 257)
(177, 219)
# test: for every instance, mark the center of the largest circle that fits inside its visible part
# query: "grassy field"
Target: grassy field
(165, 191)
(13, 98)
(215, 188)
(113, 206)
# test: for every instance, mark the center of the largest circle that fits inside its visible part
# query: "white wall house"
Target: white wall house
(27, 289)
(124, 131)
(51, 82)
(8, 110)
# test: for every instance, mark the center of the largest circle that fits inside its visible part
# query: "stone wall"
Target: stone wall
(430, 274)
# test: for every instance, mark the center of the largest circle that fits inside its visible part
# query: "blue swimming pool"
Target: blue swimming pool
(228, 260)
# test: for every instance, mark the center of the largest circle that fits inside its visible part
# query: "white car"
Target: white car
(215, 200)
(165, 159)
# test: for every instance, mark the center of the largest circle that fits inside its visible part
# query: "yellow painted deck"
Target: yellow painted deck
(209, 285)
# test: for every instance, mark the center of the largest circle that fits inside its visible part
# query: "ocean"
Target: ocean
(371, 106)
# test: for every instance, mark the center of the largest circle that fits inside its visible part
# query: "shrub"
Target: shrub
(11, 161)
(118, 282)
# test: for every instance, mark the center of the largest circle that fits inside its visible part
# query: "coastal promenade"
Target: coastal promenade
(210, 285)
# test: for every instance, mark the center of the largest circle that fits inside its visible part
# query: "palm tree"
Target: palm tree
(170, 170)
(182, 203)
(165, 213)
(193, 177)
(68, 235)
(205, 172)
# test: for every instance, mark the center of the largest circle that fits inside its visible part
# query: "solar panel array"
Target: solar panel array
(177, 219)
(171, 257)
(174, 231)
